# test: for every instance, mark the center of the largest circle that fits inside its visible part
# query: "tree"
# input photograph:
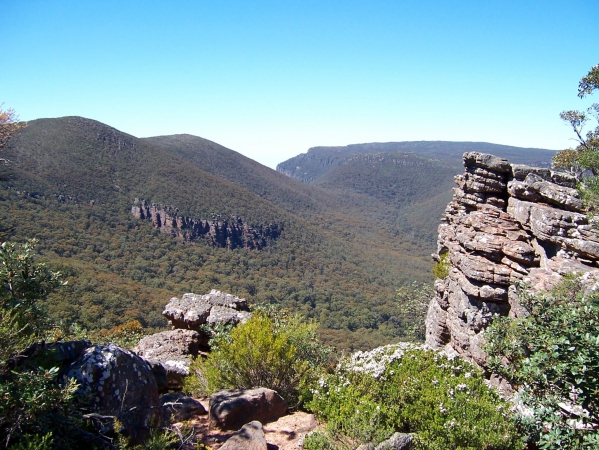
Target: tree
(9, 125)
(586, 154)
(585, 157)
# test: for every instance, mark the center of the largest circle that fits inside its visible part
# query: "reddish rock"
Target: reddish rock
(230, 409)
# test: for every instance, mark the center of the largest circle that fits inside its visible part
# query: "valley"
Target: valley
(348, 236)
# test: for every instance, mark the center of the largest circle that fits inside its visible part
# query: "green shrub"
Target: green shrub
(552, 357)
(441, 268)
(33, 406)
(23, 282)
(280, 353)
(32, 401)
(14, 337)
(443, 401)
(319, 441)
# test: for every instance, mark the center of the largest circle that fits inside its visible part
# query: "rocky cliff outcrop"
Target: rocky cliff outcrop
(506, 223)
(219, 232)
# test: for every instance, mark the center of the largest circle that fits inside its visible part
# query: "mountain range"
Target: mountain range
(352, 226)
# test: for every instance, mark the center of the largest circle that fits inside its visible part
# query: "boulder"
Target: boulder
(218, 298)
(118, 383)
(564, 179)
(177, 407)
(486, 161)
(521, 190)
(187, 312)
(192, 310)
(58, 354)
(249, 437)
(230, 409)
(173, 350)
(229, 316)
(520, 171)
(399, 441)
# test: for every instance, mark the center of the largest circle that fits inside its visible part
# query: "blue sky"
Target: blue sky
(270, 79)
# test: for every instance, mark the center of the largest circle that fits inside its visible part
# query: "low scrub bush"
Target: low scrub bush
(275, 351)
(441, 268)
(551, 356)
(443, 401)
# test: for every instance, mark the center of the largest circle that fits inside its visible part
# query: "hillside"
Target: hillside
(73, 181)
(308, 167)
(244, 172)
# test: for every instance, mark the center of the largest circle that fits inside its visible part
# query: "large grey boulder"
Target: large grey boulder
(118, 383)
(249, 437)
(173, 350)
(230, 409)
(187, 312)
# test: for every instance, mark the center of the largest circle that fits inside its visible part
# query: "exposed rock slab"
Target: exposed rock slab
(486, 161)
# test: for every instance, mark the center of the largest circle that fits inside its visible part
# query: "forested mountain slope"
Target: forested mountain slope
(308, 167)
(245, 172)
(72, 182)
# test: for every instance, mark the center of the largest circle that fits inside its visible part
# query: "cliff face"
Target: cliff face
(230, 234)
(506, 223)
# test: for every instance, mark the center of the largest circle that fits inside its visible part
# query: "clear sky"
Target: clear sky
(270, 79)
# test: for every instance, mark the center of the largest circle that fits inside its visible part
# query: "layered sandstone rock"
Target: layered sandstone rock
(505, 224)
